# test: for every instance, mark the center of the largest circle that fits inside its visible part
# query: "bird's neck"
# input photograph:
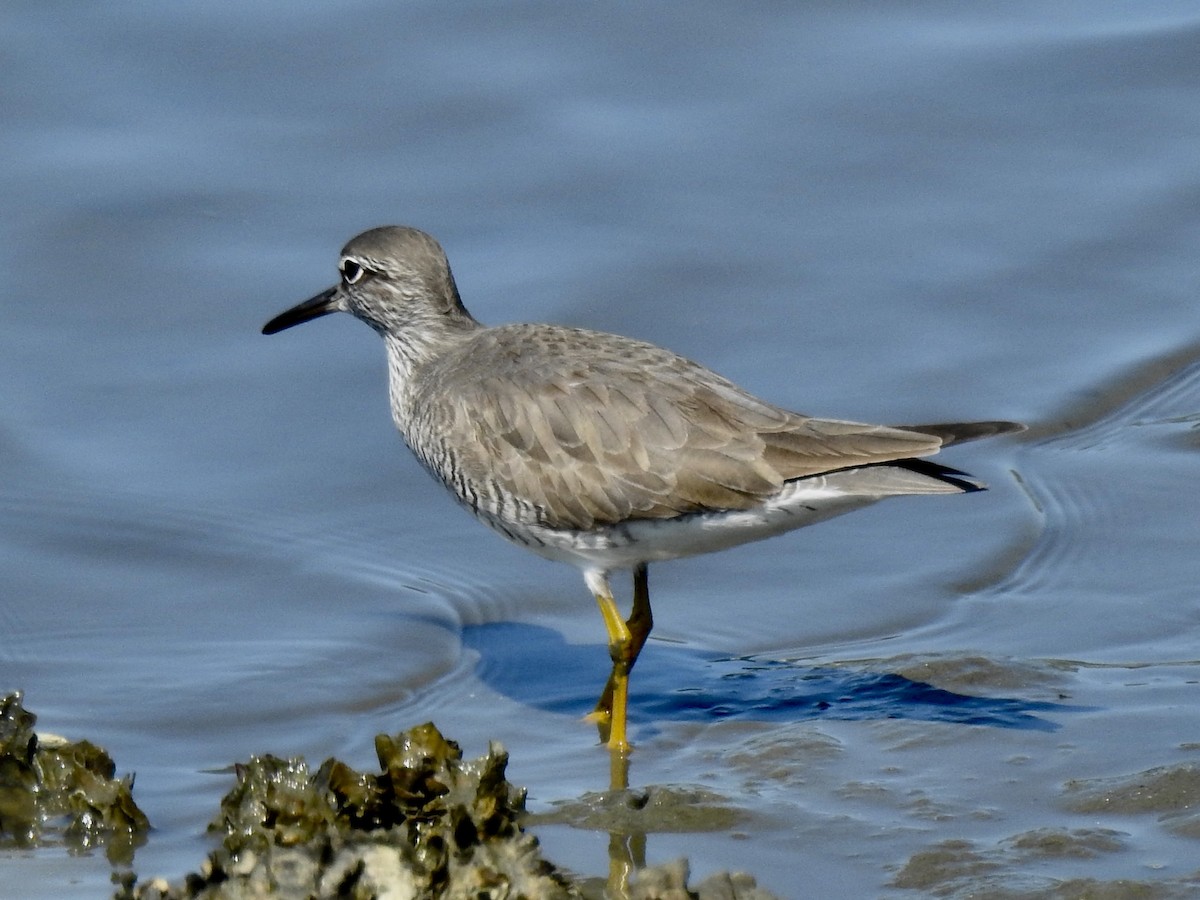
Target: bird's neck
(411, 349)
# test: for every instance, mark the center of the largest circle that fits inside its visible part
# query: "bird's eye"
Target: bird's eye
(351, 271)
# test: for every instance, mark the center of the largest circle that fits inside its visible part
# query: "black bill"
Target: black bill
(320, 305)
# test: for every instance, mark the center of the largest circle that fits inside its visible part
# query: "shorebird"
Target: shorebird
(603, 451)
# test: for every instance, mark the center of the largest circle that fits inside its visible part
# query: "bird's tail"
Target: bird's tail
(964, 481)
(961, 432)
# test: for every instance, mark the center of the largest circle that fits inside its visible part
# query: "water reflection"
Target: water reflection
(533, 665)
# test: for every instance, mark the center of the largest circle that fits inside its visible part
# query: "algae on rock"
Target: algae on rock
(428, 825)
(54, 791)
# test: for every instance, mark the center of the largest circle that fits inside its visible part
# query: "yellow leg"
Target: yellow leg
(618, 631)
(641, 620)
(610, 711)
(625, 642)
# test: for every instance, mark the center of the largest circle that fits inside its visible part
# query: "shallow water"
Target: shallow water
(212, 543)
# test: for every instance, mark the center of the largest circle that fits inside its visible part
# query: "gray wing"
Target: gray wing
(589, 438)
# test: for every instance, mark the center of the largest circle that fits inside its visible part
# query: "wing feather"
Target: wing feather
(593, 437)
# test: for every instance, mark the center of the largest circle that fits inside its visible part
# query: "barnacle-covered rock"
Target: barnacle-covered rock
(54, 791)
(428, 825)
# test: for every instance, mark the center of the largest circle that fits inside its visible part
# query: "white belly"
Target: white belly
(800, 503)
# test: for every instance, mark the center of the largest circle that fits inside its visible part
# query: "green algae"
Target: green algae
(54, 791)
(427, 825)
